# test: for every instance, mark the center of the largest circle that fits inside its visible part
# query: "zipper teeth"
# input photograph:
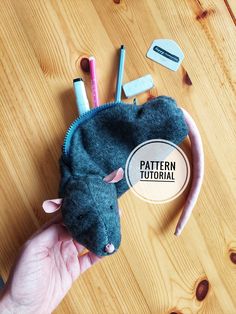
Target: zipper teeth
(80, 119)
(91, 112)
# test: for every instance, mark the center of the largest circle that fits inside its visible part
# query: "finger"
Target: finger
(80, 248)
(72, 264)
(65, 235)
(87, 260)
(51, 206)
(55, 220)
(50, 236)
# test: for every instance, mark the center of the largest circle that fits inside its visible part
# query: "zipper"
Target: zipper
(85, 116)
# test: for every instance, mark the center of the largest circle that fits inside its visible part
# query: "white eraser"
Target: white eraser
(138, 86)
(166, 52)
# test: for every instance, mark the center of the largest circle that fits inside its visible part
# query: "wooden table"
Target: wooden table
(42, 43)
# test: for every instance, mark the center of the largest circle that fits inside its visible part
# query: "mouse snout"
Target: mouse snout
(109, 248)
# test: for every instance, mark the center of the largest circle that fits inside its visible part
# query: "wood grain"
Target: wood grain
(41, 46)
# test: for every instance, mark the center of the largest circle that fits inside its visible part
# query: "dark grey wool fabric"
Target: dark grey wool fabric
(100, 145)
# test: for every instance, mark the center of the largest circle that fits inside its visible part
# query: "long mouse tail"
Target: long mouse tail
(198, 172)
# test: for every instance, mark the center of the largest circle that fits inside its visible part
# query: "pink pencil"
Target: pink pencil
(92, 67)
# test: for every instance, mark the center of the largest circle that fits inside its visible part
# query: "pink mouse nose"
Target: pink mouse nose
(109, 248)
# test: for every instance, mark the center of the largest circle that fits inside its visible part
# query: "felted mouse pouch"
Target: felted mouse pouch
(98, 143)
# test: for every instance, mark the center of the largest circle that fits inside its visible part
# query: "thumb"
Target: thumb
(50, 236)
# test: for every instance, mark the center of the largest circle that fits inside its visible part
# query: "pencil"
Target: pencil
(92, 67)
(120, 74)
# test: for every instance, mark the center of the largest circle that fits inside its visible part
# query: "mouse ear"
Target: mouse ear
(115, 176)
(51, 206)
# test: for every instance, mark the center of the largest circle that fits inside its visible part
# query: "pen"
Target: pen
(120, 74)
(81, 96)
(92, 67)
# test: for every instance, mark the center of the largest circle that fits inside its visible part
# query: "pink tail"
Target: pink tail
(198, 172)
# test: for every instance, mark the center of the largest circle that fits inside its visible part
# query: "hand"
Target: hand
(47, 266)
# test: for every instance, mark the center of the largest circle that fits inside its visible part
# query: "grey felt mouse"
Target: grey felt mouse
(95, 224)
(95, 150)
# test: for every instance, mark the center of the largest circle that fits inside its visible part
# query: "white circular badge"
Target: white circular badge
(157, 171)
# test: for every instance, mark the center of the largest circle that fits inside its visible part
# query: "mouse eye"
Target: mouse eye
(111, 207)
(80, 217)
